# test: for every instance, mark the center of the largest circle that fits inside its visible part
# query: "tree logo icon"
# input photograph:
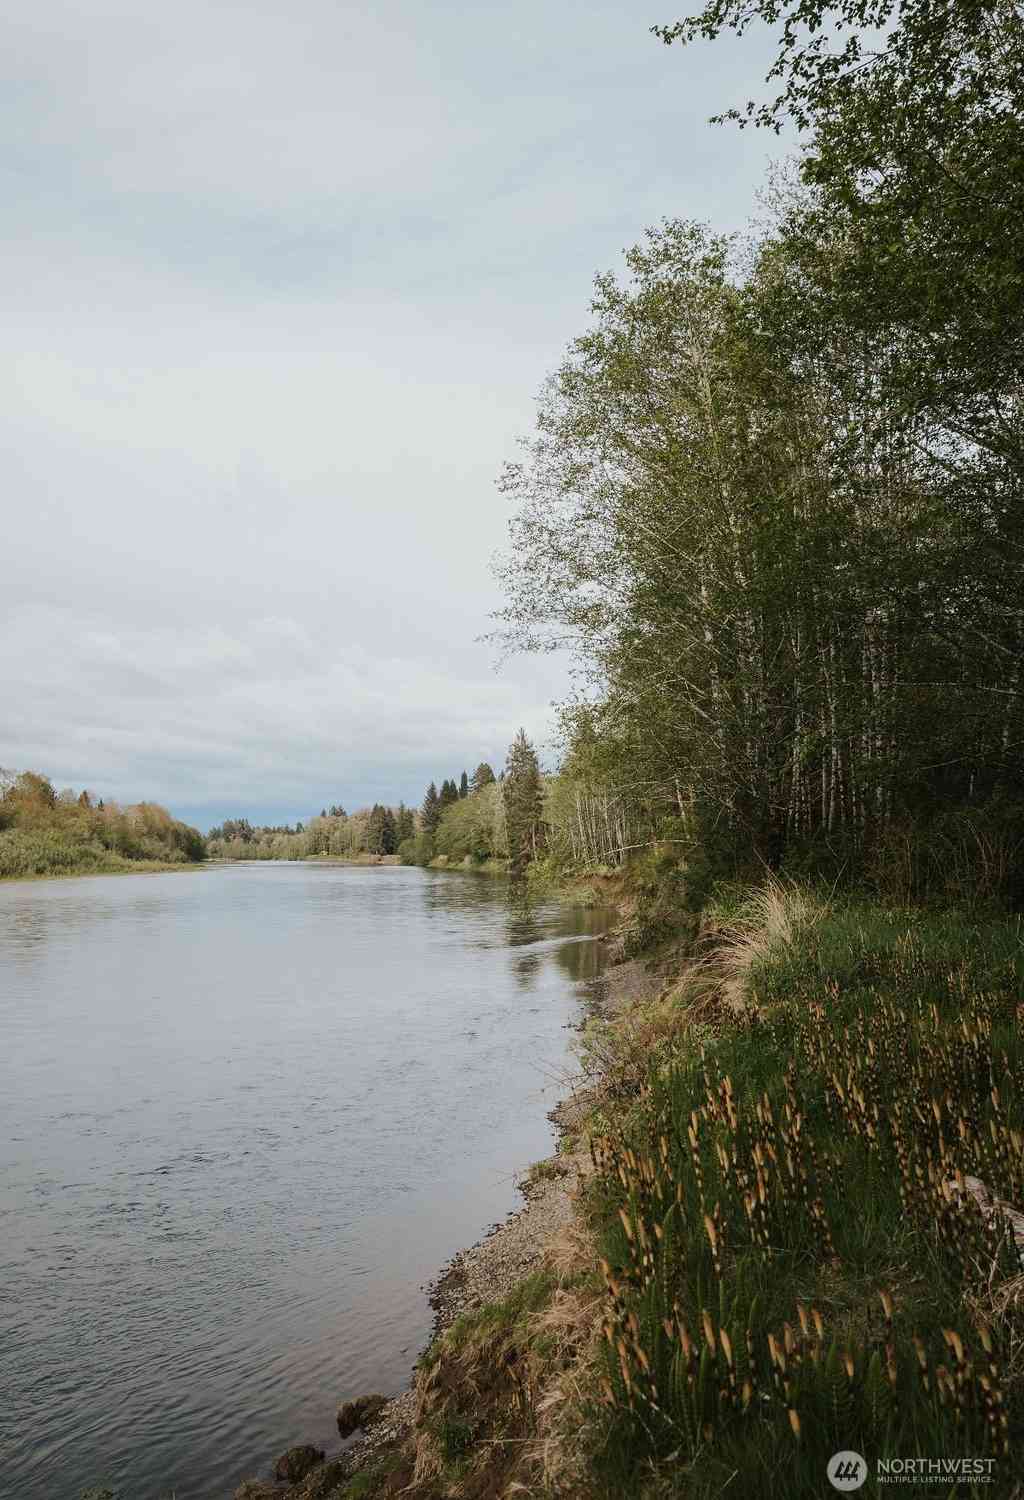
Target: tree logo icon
(847, 1470)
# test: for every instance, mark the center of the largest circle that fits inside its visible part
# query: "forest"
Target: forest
(772, 503)
(45, 832)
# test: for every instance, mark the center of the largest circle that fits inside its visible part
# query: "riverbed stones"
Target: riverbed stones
(297, 1462)
(361, 1412)
(256, 1489)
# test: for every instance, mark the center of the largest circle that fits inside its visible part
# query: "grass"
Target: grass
(549, 1169)
(476, 1387)
(792, 1261)
(371, 1482)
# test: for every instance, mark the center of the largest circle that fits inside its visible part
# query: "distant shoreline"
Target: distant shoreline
(137, 867)
(363, 861)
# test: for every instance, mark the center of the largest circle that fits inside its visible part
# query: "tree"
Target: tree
(911, 231)
(449, 793)
(470, 828)
(32, 788)
(432, 809)
(464, 785)
(482, 776)
(774, 584)
(523, 798)
(405, 823)
(389, 832)
(380, 831)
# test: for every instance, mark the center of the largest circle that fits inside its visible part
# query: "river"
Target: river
(246, 1113)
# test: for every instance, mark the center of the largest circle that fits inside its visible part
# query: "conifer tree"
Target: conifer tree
(375, 830)
(482, 776)
(523, 797)
(432, 809)
(405, 826)
(464, 785)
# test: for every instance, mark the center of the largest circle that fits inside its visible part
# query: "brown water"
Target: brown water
(245, 1114)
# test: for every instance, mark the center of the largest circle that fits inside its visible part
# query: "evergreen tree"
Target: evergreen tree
(482, 776)
(464, 785)
(432, 810)
(405, 825)
(388, 832)
(523, 797)
(449, 793)
(375, 830)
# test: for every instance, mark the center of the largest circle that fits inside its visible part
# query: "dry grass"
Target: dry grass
(999, 1305)
(556, 1460)
(769, 921)
(502, 1394)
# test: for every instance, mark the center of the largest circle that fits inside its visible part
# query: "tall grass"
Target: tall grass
(794, 1260)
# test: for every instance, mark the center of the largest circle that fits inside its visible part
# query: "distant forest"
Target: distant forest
(468, 819)
(46, 832)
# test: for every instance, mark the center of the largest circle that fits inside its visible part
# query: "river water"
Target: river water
(246, 1113)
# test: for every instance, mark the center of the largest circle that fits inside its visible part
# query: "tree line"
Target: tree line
(468, 819)
(376, 830)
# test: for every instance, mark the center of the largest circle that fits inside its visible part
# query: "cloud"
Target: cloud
(271, 715)
(280, 285)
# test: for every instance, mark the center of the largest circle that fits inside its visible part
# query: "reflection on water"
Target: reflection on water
(245, 1114)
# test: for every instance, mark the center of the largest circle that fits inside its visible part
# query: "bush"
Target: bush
(25, 852)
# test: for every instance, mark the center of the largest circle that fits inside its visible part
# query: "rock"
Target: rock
(255, 1489)
(297, 1462)
(975, 1188)
(361, 1412)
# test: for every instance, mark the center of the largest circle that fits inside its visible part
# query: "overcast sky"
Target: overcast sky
(281, 284)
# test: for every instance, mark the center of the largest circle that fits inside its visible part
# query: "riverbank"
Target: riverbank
(375, 860)
(786, 1219)
(122, 867)
(468, 865)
